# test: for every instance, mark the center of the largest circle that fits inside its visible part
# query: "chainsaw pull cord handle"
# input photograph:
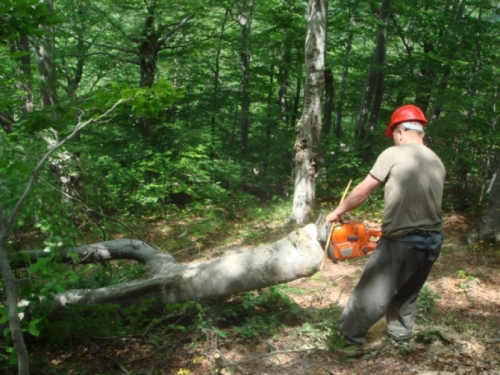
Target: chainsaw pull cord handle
(331, 229)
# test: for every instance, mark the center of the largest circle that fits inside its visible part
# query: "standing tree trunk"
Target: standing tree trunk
(377, 103)
(464, 165)
(148, 57)
(309, 126)
(6, 121)
(490, 145)
(10, 286)
(375, 81)
(284, 72)
(343, 84)
(215, 97)
(44, 52)
(78, 21)
(296, 101)
(245, 8)
(330, 93)
(155, 36)
(490, 225)
(329, 96)
(443, 85)
(21, 44)
(270, 124)
(65, 165)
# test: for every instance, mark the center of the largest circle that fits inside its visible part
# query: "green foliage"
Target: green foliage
(106, 274)
(24, 17)
(404, 348)
(470, 280)
(335, 339)
(426, 304)
(428, 335)
(150, 102)
(464, 275)
(252, 315)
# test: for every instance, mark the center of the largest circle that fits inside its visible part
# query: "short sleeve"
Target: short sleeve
(382, 167)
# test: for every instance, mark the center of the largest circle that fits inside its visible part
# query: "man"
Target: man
(411, 231)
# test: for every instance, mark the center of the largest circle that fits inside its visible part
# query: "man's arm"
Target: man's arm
(359, 194)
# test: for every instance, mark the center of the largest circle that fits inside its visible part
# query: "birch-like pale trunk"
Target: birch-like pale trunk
(329, 101)
(309, 126)
(297, 255)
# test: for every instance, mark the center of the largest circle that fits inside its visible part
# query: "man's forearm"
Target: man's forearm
(352, 201)
(360, 193)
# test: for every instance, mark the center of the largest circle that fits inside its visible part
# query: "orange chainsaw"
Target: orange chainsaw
(351, 239)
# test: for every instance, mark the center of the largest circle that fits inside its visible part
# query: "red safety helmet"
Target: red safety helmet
(405, 113)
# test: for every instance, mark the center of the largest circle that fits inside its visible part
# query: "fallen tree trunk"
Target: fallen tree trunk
(297, 255)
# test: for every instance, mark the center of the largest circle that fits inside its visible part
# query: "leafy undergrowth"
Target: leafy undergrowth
(285, 329)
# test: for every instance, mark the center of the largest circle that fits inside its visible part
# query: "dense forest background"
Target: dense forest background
(189, 108)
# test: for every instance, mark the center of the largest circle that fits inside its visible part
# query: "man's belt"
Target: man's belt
(424, 241)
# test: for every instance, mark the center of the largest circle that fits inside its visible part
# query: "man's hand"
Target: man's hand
(333, 217)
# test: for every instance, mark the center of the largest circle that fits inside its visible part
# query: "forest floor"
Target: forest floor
(459, 333)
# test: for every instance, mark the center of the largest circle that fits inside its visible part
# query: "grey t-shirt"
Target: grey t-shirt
(414, 177)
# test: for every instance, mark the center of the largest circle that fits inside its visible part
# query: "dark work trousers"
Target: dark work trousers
(390, 284)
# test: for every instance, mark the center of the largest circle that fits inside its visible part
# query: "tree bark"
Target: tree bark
(95, 253)
(464, 165)
(375, 80)
(215, 96)
(309, 126)
(330, 94)
(297, 255)
(284, 72)
(270, 124)
(490, 145)
(296, 101)
(74, 76)
(343, 84)
(154, 38)
(489, 227)
(6, 121)
(21, 44)
(11, 300)
(148, 48)
(245, 21)
(44, 52)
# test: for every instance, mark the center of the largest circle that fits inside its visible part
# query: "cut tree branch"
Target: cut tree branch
(295, 256)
